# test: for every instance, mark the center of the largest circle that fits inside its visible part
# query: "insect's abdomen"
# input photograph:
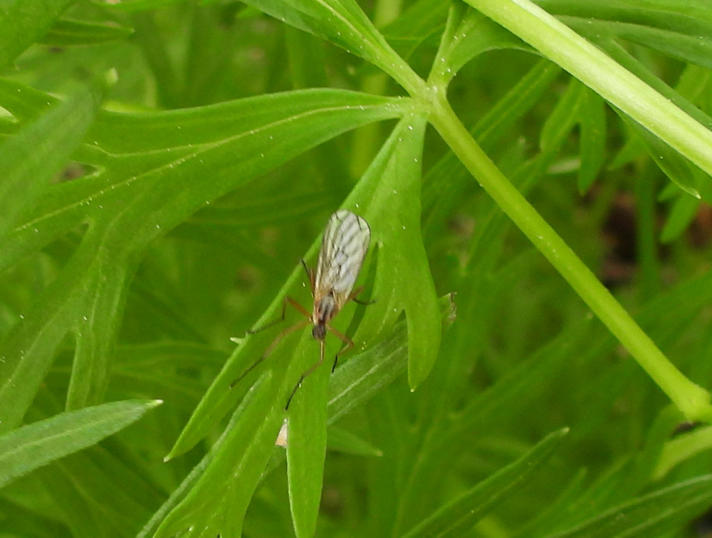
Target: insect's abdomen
(325, 308)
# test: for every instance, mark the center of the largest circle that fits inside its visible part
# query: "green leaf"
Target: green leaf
(393, 181)
(665, 13)
(680, 171)
(467, 35)
(388, 197)
(696, 49)
(420, 21)
(362, 377)
(593, 140)
(68, 32)
(135, 5)
(661, 510)
(564, 116)
(33, 156)
(346, 442)
(104, 292)
(446, 180)
(682, 448)
(99, 493)
(231, 471)
(366, 374)
(458, 516)
(149, 175)
(306, 447)
(28, 349)
(603, 75)
(29, 447)
(680, 31)
(23, 23)
(682, 213)
(343, 23)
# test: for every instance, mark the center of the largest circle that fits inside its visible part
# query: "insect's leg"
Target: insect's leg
(277, 339)
(352, 297)
(345, 339)
(298, 307)
(306, 374)
(287, 300)
(310, 275)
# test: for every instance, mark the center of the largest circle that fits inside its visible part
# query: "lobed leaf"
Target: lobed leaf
(228, 473)
(23, 23)
(235, 141)
(389, 193)
(467, 35)
(352, 384)
(36, 153)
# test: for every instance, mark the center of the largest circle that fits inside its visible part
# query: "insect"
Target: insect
(343, 249)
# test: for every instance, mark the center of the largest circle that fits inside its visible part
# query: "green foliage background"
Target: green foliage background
(165, 164)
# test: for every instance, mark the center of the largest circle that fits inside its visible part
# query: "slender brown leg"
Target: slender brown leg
(280, 319)
(345, 339)
(306, 374)
(281, 336)
(352, 297)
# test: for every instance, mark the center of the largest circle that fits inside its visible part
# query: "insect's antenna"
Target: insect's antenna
(305, 374)
(277, 339)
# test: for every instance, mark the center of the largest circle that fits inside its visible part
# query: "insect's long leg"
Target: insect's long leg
(352, 297)
(306, 374)
(281, 336)
(287, 300)
(345, 339)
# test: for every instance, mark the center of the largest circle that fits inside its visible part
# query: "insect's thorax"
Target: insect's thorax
(325, 308)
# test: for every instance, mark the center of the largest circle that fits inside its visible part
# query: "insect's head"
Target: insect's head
(319, 331)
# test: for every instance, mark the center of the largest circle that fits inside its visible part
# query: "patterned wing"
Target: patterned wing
(343, 248)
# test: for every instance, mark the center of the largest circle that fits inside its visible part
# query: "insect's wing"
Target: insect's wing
(343, 248)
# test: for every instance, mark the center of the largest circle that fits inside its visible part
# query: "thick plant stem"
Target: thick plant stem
(692, 400)
(611, 81)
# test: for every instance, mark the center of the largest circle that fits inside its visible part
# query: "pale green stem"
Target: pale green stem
(692, 400)
(682, 448)
(609, 79)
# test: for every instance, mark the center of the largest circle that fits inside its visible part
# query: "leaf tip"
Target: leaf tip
(111, 77)
(564, 431)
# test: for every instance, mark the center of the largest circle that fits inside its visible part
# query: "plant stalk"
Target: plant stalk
(692, 400)
(610, 80)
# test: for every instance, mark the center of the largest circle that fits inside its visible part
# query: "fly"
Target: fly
(343, 249)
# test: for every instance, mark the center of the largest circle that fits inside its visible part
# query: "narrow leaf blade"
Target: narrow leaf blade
(663, 509)
(458, 516)
(37, 444)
